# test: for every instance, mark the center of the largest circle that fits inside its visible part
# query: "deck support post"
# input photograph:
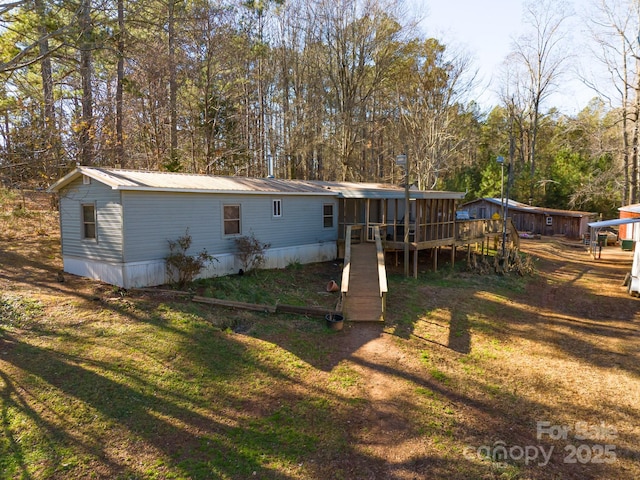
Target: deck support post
(435, 259)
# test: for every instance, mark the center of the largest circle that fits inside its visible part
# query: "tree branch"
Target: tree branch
(16, 64)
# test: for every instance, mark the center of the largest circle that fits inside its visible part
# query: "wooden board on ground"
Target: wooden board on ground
(280, 308)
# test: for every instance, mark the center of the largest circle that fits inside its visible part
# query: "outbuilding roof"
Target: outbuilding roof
(138, 180)
(523, 207)
(634, 208)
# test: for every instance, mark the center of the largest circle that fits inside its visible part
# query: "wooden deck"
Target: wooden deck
(363, 302)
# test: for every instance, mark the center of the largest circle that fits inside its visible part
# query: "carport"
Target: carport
(596, 228)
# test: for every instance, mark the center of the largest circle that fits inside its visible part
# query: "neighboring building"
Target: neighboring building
(115, 224)
(535, 220)
(629, 231)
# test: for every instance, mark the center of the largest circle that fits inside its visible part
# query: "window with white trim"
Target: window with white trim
(276, 210)
(89, 223)
(231, 219)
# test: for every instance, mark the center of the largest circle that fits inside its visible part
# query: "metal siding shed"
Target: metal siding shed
(635, 208)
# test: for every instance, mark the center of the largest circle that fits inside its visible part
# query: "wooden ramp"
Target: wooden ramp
(363, 301)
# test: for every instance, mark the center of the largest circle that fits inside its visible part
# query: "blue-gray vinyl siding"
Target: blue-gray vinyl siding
(108, 243)
(153, 218)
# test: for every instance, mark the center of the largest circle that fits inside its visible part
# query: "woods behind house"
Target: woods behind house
(315, 90)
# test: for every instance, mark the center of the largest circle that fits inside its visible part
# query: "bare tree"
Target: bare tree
(614, 26)
(362, 41)
(539, 57)
(430, 96)
(173, 162)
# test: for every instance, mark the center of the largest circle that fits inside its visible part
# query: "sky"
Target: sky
(485, 29)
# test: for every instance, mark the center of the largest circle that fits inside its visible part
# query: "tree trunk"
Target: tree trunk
(45, 68)
(173, 89)
(532, 149)
(634, 147)
(46, 72)
(86, 129)
(626, 194)
(119, 87)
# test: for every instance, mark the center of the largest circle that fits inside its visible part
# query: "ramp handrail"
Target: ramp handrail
(344, 285)
(382, 272)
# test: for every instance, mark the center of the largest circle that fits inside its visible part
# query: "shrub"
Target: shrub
(251, 252)
(182, 267)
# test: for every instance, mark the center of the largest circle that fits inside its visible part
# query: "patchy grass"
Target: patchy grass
(17, 311)
(294, 285)
(96, 382)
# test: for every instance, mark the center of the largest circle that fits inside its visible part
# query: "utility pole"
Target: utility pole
(401, 160)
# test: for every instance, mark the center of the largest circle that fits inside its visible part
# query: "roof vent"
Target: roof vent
(270, 166)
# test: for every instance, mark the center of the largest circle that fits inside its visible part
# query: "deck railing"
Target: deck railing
(460, 230)
(472, 229)
(468, 230)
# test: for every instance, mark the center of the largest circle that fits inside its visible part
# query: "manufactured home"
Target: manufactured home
(116, 224)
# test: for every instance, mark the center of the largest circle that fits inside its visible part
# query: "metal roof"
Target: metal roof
(137, 180)
(635, 208)
(523, 207)
(613, 223)
(382, 190)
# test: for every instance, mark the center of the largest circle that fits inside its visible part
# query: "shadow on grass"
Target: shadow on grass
(195, 443)
(557, 312)
(204, 412)
(99, 415)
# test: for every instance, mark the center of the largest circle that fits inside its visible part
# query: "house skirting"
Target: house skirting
(153, 272)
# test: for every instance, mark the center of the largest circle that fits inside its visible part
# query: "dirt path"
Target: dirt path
(566, 349)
